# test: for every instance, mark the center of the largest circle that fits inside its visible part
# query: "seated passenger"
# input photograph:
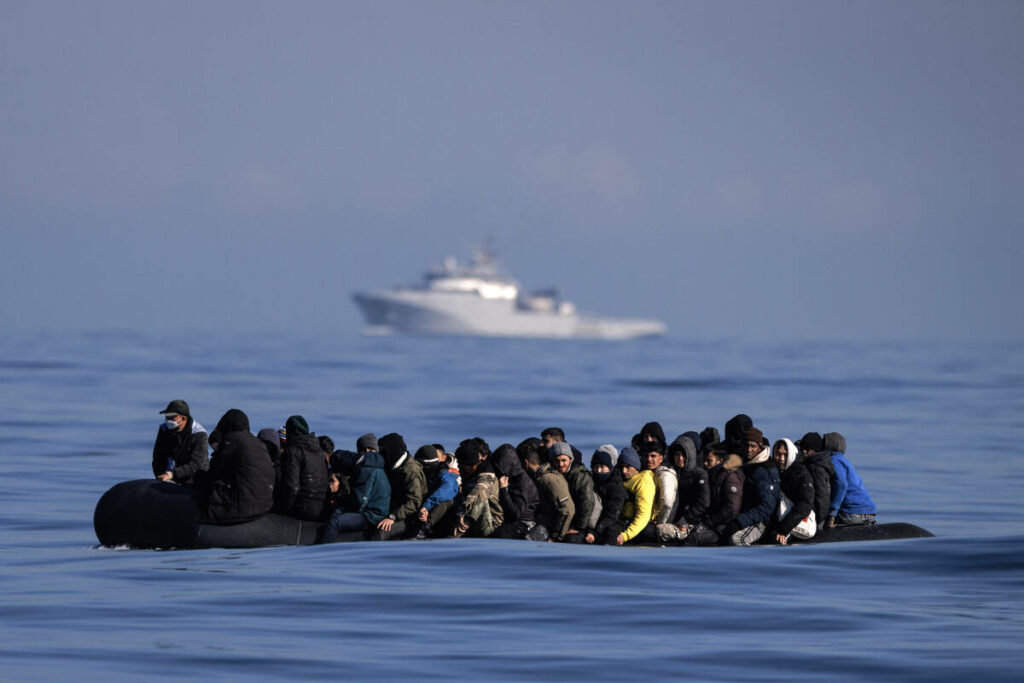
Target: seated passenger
(442, 488)
(694, 438)
(735, 440)
(555, 509)
(819, 466)
(304, 486)
(608, 487)
(271, 439)
(334, 482)
(581, 490)
(553, 435)
(327, 449)
(712, 458)
(797, 486)
(517, 494)
(652, 455)
(636, 521)
(726, 483)
(694, 492)
(369, 498)
(408, 487)
(709, 437)
(478, 511)
(652, 431)
(179, 452)
(850, 505)
(760, 492)
(366, 443)
(240, 485)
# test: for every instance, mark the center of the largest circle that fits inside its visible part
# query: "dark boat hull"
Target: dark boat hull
(147, 513)
(892, 531)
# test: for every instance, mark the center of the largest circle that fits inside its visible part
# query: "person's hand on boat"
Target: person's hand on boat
(386, 524)
(590, 538)
(423, 514)
(620, 539)
(462, 527)
(166, 476)
(830, 523)
(783, 539)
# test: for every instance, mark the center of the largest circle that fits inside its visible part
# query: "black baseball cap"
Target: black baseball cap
(178, 407)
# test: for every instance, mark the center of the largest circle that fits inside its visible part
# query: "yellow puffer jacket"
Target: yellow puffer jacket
(641, 502)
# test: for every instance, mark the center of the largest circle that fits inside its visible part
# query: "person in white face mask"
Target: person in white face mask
(180, 451)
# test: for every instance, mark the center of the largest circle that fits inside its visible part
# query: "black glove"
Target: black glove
(830, 523)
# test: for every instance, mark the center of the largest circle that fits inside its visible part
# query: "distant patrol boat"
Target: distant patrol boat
(479, 299)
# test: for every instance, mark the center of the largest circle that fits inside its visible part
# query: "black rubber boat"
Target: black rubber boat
(147, 513)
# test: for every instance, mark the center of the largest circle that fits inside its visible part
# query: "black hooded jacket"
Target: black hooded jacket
(654, 429)
(241, 476)
(613, 497)
(726, 493)
(819, 466)
(305, 485)
(519, 500)
(798, 486)
(736, 433)
(693, 497)
(188, 449)
(405, 475)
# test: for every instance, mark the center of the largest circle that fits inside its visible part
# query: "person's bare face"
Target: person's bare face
(780, 456)
(653, 460)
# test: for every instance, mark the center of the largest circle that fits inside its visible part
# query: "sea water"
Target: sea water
(936, 430)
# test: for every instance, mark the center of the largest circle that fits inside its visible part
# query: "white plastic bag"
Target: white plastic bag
(807, 527)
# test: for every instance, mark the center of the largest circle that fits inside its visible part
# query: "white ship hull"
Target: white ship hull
(427, 312)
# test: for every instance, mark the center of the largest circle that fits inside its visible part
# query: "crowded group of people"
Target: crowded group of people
(702, 488)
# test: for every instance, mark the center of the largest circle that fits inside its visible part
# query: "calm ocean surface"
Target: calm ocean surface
(936, 430)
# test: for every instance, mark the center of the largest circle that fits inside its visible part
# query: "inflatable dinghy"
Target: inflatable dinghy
(148, 513)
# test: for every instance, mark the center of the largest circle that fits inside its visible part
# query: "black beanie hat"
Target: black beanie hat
(810, 441)
(233, 421)
(296, 425)
(426, 454)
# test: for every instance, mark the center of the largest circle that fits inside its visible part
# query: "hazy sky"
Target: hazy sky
(820, 169)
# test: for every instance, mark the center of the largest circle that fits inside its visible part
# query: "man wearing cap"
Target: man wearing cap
(760, 492)
(479, 510)
(609, 489)
(442, 488)
(641, 500)
(581, 489)
(180, 450)
(556, 509)
(819, 466)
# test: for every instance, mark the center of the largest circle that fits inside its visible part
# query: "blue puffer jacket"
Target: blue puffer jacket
(371, 491)
(443, 487)
(848, 492)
